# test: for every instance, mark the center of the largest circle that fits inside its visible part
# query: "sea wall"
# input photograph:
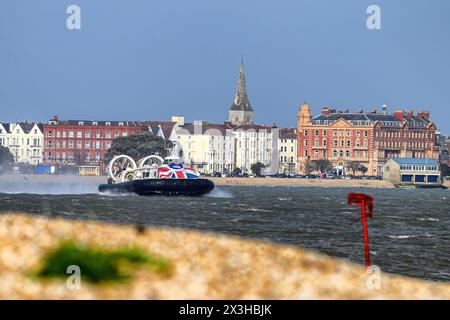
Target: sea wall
(205, 266)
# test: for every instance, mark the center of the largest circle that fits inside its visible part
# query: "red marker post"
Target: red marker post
(356, 199)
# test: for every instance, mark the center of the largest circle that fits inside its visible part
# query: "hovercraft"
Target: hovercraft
(154, 175)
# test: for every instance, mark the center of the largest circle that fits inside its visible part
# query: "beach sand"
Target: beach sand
(205, 266)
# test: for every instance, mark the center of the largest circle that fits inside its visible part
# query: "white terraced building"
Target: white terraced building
(24, 140)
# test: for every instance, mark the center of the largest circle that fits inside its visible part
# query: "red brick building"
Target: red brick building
(83, 142)
(370, 138)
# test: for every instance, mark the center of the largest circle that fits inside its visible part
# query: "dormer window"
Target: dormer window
(120, 123)
(94, 123)
(80, 123)
(108, 123)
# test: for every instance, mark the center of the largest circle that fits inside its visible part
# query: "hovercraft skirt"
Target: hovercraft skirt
(148, 187)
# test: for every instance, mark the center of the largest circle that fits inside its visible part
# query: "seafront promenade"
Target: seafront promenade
(203, 266)
(261, 182)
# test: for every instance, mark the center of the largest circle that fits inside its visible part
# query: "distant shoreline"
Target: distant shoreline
(257, 182)
(297, 182)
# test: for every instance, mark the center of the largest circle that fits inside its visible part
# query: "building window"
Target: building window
(317, 132)
(87, 145)
(306, 142)
(366, 133)
(79, 134)
(70, 134)
(87, 134)
(306, 132)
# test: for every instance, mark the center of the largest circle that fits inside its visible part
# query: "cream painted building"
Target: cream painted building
(412, 171)
(256, 143)
(24, 140)
(287, 143)
(223, 147)
(207, 147)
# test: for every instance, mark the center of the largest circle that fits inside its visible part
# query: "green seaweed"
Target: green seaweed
(99, 264)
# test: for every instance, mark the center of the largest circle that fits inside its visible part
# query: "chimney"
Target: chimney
(325, 111)
(423, 114)
(399, 114)
(410, 114)
(384, 108)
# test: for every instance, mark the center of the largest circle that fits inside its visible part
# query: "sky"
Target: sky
(148, 60)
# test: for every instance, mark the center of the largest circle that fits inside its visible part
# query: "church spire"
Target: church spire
(241, 101)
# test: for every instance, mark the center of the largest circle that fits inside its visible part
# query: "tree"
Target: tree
(138, 146)
(356, 166)
(308, 166)
(237, 171)
(322, 165)
(445, 170)
(6, 160)
(256, 168)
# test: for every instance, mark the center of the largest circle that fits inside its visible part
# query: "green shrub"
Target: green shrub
(98, 264)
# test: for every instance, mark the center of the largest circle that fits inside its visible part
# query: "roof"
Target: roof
(26, 127)
(416, 161)
(99, 123)
(288, 133)
(6, 126)
(255, 127)
(166, 126)
(207, 126)
(370, 118)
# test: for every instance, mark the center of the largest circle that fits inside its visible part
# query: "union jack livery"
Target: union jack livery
(176, 171)
(153, 175)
